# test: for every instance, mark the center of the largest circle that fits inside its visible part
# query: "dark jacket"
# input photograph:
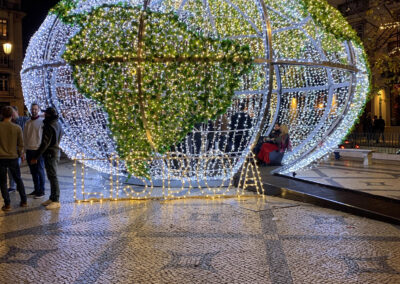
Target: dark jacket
(283, 143)
(380, 124)
(273, 136)
(51, 137)
(241, 124)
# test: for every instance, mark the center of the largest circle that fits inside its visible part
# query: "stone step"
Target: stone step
(347, 200)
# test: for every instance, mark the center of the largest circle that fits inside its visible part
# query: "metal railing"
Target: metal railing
(10, 93)
(383, 142)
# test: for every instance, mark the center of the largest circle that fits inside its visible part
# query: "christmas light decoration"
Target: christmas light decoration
(255, 62)
(111, 187)
(391, 25)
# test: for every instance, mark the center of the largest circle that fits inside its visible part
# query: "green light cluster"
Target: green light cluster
(334, 23)
(154, 76)
(63, 8)
(330, 19)
(327, 27)
(389, 66)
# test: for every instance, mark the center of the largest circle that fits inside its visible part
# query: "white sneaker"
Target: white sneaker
(53, 205)
(39, 196)
(47, 202)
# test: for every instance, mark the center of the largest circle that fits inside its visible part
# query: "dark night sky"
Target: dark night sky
(36, 11)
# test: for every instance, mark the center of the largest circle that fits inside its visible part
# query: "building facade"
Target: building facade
(377, 24)
(11, 17)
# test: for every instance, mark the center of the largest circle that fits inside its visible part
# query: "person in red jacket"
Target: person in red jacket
(279, 144)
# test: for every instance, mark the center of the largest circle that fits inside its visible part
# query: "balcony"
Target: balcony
(6, 64)
(4, 4)
(352, 7)
(8, 94)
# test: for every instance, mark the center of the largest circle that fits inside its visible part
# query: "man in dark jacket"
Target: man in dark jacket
(49, 148)
(380, 129)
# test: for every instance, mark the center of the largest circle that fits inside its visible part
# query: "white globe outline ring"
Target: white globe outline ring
(43, 61)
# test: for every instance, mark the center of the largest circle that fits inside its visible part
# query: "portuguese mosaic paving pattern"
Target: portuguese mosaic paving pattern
(246, 240)
(381, 178)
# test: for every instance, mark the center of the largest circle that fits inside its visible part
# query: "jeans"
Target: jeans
(11, 181)
(37, 172)
(50, 163)
(13, 166)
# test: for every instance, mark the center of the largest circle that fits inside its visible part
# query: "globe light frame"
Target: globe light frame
(319, 107)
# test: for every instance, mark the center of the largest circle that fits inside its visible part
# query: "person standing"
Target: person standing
(11, 148)
(375, 127)
(32, 139)
(19, 120)
(50, 150)
(381, 129)
(367, 127)
(240, 126)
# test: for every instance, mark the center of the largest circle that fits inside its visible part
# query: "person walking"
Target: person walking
(32, 134)
(11, 148)
(50, 150)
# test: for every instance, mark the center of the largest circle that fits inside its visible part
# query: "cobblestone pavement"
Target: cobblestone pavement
(380, 178)
(246, 240)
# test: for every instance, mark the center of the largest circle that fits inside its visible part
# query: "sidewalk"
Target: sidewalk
(237, 240)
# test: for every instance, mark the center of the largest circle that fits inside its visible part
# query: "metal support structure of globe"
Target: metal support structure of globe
(297, 80)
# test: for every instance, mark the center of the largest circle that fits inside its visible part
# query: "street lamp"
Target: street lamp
(7, 48)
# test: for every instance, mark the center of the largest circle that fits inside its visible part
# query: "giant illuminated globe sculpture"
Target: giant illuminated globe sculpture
(308, 70)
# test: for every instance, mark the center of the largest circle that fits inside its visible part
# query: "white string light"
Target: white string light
(391, 25)
(319, 86)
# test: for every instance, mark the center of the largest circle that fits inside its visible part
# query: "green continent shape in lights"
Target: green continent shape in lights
(154, 77)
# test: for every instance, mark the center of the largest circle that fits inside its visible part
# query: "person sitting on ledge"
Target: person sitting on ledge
(268, 139)
(272, 151)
